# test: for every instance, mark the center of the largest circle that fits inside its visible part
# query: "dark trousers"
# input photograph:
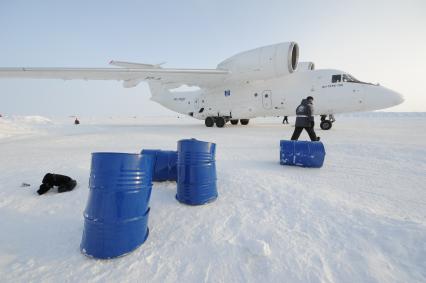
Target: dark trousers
(298, 131)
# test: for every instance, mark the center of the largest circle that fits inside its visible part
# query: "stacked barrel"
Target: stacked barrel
(196, 169)
(116, 215)
(165, 168)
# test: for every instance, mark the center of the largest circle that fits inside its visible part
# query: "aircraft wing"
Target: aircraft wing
(130, 76)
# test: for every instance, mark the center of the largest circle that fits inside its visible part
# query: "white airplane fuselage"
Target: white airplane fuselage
(265, 81)
(280, 97)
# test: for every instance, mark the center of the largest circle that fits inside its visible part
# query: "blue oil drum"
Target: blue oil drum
(302, 153)
(196, 169)
(116, 215)
(165, 168)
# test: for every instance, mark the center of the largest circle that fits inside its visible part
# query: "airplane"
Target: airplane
(261, 82)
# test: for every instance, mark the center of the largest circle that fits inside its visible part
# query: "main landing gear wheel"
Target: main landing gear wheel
(220, 122)
(234, 122)
(244, 121)
(326, 125)
(209, 122)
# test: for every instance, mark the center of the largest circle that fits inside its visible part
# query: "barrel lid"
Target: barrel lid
(115, 153)
(194, 140)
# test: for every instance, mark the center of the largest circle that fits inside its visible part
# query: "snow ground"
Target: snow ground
(23, 125)
(360, 218)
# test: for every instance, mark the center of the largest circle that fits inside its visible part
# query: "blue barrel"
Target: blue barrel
(116, 215)
(302, 153)
(196, 169)
(165, 168)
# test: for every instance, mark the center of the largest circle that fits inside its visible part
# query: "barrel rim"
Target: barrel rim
(116, 153)
(195, 203)
(83, 250)
(195, 140)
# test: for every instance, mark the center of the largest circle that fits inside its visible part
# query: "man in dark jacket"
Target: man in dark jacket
(305, 119)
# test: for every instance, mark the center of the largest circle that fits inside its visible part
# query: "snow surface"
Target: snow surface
(360, 218)
(20, 125)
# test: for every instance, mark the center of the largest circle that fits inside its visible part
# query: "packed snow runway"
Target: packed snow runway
(360, 218)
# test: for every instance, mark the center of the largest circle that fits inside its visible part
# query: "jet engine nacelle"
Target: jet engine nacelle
(264, 62)
(305, 66)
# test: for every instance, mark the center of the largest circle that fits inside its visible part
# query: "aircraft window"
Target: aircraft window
(349, 79)
(336, 78)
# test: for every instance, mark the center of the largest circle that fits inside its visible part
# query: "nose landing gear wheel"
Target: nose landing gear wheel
(234, 122)
(209, 122)
(326, 125)
(220, 122)
(244, 121)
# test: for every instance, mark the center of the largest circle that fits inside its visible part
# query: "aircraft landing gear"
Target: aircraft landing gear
(234, 122)
(244, 121)
(327, 124)
(209, 122)
(220, 122)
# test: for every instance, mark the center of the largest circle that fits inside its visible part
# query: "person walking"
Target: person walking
(285, 121)
(305, 119)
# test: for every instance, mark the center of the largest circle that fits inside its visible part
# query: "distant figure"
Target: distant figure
(285, 121)
(305, 119)
(76, 121)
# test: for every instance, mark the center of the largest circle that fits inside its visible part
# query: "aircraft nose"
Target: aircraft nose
(399, 98)
(379, 97)
(395, 97)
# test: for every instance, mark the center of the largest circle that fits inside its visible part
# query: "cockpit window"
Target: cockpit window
(336, 78)
(349, 79)
(346, 78)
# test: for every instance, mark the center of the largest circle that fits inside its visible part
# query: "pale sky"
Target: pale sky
(376, 41)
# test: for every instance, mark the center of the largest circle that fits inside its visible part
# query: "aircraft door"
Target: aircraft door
(199, 106)
(196, 104)
(267, 99)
